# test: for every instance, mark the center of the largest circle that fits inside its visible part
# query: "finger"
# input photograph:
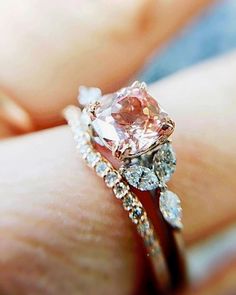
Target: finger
(56, 214)
(59, 225)
(14, 120)
(202, 100)
(50, 48)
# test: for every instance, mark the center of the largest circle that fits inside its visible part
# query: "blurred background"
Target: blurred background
(208, 35)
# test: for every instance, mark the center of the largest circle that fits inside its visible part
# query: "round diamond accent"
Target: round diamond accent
(136, 214)
(101, 168)
(141, 177)
(120, 190)
(165, 162)
(111, 178)
(170, 207)
(129, 201)
(92, 158)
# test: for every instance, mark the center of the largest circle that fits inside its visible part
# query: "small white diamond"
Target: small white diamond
(120, 190)
(170, 207)
(92, 158)
(136, 214)
(101, 168)
(111, 178)
(84, 150)
(81, 138)
(88, 95)
(129, 201)
(141, 177)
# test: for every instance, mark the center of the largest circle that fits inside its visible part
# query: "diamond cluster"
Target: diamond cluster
(113, 180)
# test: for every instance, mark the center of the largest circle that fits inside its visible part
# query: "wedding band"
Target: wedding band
(121, 190)
(131, 125)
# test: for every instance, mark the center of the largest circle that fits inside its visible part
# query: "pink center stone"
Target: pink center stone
(130, 122)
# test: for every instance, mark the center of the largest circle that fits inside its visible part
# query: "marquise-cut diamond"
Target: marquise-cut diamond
(164, 162)
(170, 207)
(140, 177)
(131, 121)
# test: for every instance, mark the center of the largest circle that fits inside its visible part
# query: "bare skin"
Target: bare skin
(62, 230)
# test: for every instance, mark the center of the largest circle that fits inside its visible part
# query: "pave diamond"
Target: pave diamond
(140, 177)
(136, 214)
(101, 168)
(92, 158)
(143, 228)
(111, 178)
(120, 190)
(84, 150)
(131, 121)
(128, 201)
(170, 207)
(165, 162)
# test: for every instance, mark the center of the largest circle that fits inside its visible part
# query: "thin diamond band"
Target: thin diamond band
(121, 189)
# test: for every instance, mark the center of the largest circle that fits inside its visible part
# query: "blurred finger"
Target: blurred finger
(13, 118)
(49, 48)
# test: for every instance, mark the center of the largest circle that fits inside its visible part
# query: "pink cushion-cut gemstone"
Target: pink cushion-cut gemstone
(130, 121)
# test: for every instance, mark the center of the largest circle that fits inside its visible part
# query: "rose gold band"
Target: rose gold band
(122, 191)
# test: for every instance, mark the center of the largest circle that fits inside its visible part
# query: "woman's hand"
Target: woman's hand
(62, 231)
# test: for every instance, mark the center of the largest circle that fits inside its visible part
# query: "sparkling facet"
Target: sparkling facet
(170, 207)
(101, 168)
(140, 177)
(131, 121)
(111, 178)
(120, 190)
(165, 162)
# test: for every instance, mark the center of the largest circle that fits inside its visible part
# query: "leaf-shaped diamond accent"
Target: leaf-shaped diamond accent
(170, 207)
(140, 177)
(164, 162)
